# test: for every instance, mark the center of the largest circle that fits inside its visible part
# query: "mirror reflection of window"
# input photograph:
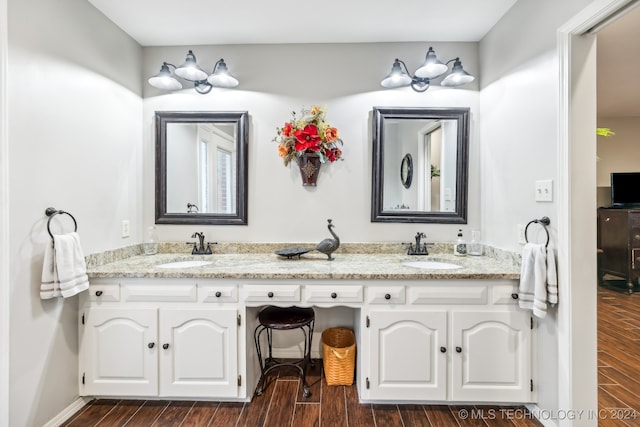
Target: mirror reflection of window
(200, 167)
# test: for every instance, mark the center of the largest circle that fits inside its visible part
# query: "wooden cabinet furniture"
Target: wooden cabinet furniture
(435, 340)
(619, 242)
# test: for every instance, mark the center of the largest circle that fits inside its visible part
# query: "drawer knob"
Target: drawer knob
(165, 346)
(334, 295)
(458, 349)
(151, 345)
(98, 293)
(514, 296)
(443, 349)
(218, 294)
(387, 296)
(270, 294)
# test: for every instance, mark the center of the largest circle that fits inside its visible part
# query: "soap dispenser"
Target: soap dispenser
(460, 247)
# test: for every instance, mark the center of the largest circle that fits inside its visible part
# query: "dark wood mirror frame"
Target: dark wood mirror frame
(459, 216)
(241, 121)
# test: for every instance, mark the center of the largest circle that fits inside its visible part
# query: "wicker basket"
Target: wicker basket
(338, 355)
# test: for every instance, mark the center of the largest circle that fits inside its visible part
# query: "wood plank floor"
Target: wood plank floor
(618, 358)
(282, 403)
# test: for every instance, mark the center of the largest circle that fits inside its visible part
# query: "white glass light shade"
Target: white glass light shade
(165, 80)
(190, 69)
(396, 78)
(458, 76)
(432, 66)
(221, 77)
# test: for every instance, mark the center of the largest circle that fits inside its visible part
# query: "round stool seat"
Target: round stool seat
(285, 317)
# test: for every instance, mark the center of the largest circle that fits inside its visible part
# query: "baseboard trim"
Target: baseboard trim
(64, 415)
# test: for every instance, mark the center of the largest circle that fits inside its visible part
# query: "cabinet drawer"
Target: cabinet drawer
(337, 293)
(385, 295)
(448, 295)
(272, 293)
(105, 292)
(159, 293)
(217, 293)
(503, 294)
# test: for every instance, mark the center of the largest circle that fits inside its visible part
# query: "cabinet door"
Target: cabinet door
(119, 352)
(491, 356)
(613, 236)
(198, 352)
(408, 355)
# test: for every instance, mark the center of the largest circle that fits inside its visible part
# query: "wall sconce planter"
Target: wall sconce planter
(310, 141)
(191, 72)
(309, 164)
(431, 69)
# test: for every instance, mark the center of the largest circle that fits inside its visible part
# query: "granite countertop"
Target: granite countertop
(312, 265)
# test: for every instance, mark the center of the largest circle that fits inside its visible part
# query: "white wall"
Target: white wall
(519, 106)
(276, 79)
(619, 152)
(74, 110)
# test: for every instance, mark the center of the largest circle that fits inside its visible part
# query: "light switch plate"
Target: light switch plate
(544, 190)
(124, 228)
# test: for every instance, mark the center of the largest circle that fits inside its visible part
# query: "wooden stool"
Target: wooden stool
(284, 318)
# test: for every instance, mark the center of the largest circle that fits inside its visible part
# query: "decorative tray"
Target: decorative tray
(289, 253)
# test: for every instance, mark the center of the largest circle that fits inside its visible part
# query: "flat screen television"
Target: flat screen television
(625, 189)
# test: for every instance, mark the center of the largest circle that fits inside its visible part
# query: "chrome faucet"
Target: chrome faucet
(198, 247)
(419, 248)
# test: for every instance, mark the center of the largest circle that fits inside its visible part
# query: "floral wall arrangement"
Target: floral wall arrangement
(309, 133)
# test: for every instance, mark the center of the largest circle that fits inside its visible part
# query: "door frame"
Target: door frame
(577, 318)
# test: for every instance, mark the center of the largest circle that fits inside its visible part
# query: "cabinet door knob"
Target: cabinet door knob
(387, 296)
(165, 346)
(334, 295)
(151, 345)
(218, 294)
(98, 293)
(270, 294)
(458, 349)
(514, 296)
(443, 349)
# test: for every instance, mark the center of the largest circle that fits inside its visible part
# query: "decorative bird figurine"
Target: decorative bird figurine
(328, 246)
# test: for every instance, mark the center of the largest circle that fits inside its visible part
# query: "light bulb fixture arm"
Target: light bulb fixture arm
(190, 71)
(419, 84)
(432, 69)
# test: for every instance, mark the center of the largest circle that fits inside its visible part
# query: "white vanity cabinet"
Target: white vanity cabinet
(436, 340)
(159, 338)
(462, 342)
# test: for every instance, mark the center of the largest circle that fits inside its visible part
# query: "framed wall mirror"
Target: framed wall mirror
(437, 142)
(201, 167)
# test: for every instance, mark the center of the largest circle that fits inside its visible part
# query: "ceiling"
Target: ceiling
(202, 22)
(209, 22)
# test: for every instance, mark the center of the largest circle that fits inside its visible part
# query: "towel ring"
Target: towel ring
(51, 212)
(544, 221)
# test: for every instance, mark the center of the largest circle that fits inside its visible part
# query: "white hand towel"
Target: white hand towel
(552, 278)
(533, 279)
(69, 260)
(50, 287)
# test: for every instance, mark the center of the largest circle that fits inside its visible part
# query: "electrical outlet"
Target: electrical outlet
(544, 190)
(521, 238)
(124, 228)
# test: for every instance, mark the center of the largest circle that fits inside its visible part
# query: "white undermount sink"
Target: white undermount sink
(431, 265)
(184, 264)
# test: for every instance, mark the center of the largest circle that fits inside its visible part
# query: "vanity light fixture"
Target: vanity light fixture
(432, 68)
(191, 72)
